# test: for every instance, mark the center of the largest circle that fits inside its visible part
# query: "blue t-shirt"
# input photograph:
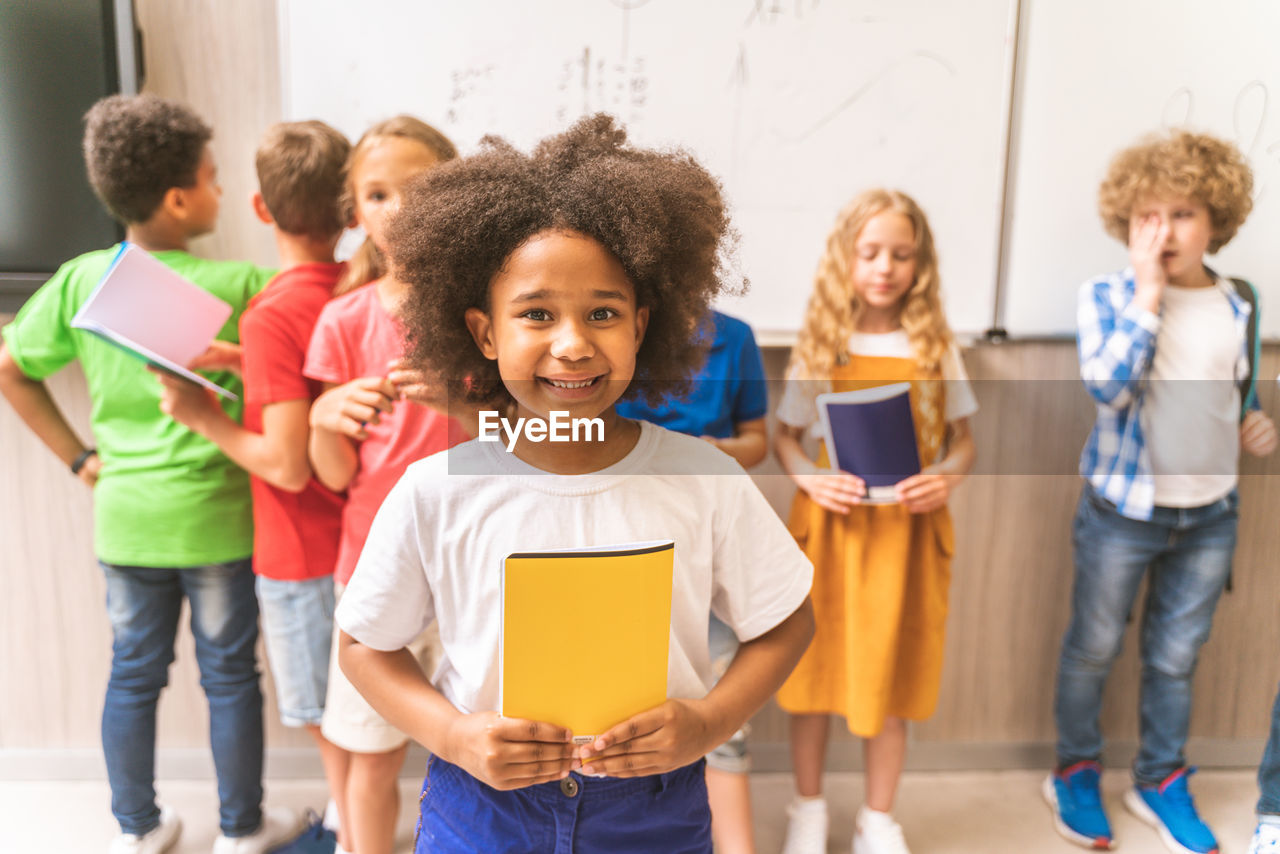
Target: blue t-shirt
(729, 390)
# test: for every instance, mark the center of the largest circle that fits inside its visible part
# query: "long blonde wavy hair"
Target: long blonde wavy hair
(367, 263)
(832, 315)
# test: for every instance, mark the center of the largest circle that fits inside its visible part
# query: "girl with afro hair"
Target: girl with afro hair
(564, 281)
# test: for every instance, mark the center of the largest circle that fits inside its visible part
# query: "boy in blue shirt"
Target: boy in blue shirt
(1165, 351)
(725, 405)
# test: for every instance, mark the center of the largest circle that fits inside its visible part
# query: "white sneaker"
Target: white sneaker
(877, 833)
(279, 824)
(1266, 839)
(155, 841)
(806, 827)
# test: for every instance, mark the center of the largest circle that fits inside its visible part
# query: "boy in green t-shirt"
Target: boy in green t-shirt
(172, 514)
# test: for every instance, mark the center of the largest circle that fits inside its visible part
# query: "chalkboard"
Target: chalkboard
(1094, 76)
(795, 104)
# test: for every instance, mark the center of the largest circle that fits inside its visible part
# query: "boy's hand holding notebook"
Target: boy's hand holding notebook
(151, 312)
(220, 356)
(568, 659)
(871, 433)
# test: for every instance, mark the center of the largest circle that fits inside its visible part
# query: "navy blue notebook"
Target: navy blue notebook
(871, 433)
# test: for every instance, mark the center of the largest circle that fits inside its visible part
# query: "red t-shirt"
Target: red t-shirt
(356, 337)
(295, 535)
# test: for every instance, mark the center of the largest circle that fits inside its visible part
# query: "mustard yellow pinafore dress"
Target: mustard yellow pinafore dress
(881, 579)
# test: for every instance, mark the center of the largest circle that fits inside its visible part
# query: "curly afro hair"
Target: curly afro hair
(658, 212)
(1179, 163)
(138, 147)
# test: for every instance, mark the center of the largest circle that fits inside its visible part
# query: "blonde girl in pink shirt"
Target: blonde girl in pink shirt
(365, 431)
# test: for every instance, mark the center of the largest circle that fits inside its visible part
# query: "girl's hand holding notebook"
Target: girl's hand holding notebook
(655, 741)
(926, 491)
(832, 489)
(510, 753)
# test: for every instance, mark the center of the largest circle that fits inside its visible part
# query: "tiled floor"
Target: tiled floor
(943, 813)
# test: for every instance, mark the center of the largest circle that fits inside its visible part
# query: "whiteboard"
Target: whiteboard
(1096, 75)
(796, 105)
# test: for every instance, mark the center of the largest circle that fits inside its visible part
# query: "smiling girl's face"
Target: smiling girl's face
(563, 326)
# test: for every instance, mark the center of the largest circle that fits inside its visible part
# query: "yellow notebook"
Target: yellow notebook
(585, 633)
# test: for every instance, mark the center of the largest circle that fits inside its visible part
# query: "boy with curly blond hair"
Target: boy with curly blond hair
(1167, 350)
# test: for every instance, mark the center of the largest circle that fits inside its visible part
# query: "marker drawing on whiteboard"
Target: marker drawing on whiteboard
(866, 87)
(589, 83)
(1177, 110)
(1246, 124)
(465, 84)
(738, 81)
(767, 12)
(1249, 114)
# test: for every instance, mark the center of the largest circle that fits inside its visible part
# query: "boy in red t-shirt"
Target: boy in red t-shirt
(297, 521)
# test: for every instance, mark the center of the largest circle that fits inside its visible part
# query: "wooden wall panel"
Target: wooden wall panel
(222, 58)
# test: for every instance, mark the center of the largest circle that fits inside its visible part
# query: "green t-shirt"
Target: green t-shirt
(166, 497)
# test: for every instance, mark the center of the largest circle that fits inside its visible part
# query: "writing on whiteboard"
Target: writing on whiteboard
(590, 82)
(1250, 111)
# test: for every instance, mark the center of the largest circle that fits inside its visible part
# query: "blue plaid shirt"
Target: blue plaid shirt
(1117, 341)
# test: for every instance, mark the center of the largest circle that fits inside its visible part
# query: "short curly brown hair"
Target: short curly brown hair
(658, 212)
(1179, 163)
(301, 168)
(138, 147)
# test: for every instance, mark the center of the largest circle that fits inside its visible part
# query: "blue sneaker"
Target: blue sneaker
(1168, 808)
(1076, 802)
(314, 839)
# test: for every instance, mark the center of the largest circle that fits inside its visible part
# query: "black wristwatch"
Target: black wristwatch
(78, 462)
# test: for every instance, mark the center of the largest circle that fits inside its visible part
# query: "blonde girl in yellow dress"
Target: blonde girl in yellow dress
(882, 571)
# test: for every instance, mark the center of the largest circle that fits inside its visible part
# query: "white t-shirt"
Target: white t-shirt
(799, 407)
(437, 546)
(1191, 404)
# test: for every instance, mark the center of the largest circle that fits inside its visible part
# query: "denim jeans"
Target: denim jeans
(1186, 555)
(1269, 771)
(143, 605)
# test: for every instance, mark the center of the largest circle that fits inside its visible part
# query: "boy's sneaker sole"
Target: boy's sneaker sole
(1134, 803)
(1051, 798)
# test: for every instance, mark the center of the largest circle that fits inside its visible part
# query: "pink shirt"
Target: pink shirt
(356, 337)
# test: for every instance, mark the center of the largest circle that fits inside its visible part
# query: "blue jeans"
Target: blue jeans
(1186, 555)
(143, 605)
(666, 813)
(1269, 772)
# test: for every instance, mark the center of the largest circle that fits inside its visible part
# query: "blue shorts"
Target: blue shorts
(297, 626)
(665, 813)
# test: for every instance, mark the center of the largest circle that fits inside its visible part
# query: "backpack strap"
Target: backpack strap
(1248, 386)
